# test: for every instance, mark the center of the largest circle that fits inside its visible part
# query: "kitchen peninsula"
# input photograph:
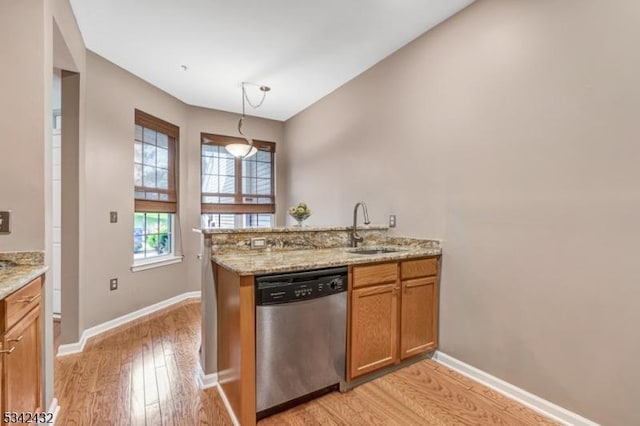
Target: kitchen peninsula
(391, 309)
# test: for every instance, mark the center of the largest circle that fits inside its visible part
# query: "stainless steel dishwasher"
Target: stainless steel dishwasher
(301, 325)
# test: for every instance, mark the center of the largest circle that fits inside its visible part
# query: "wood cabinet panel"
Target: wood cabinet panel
(393, 320)
(236, 342)
(374, 332)
(375, 274)
(17, 304)
(419, 316)
(21, 366)
(418, 268)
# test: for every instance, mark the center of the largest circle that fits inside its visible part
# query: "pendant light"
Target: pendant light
(246, 150)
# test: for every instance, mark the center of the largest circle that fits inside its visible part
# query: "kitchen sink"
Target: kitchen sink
(374, 250)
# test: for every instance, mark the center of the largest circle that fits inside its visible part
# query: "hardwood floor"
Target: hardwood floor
(145, 374)
(424, 393)
(141, 374)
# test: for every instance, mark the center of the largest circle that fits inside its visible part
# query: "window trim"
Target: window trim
(172, 131)
(238, 207)
(155, 262)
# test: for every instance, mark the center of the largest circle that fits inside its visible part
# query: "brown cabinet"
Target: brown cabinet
(20, 350)
(419, 316)
(374, 332)
(393, 313)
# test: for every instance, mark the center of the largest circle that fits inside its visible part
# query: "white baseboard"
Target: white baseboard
(542, 406)
(227, 405)
(54, 409)
(206, 381)
(77, 347)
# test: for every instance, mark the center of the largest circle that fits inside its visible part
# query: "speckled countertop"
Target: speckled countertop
(287, 229)
(18, 269)
(267, 262)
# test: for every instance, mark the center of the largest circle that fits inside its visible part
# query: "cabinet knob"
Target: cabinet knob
(17, 339)
(8, 351)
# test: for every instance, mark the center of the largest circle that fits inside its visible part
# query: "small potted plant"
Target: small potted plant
(300, 213)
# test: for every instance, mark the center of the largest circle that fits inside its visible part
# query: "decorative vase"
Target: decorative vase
(300, 219)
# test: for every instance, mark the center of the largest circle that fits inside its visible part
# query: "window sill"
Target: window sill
(143, 265)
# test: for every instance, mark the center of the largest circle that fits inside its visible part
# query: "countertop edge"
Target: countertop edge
(346, 261)
(287, 229)
(16, 283)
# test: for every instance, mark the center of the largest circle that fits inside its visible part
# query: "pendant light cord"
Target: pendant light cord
(245, 96)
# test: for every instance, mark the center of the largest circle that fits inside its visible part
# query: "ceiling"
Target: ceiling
(302, 49)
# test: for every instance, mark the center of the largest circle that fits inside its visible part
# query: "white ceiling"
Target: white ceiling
(302, 49)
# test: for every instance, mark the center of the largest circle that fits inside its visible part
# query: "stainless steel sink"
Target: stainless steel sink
(374, 250)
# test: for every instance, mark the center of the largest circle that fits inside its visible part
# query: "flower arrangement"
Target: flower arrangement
(300, 213)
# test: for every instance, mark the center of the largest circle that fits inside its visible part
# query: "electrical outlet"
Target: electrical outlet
(258, 243)
(392, 221)
(113, 217)
(113, 284)
(5, 222)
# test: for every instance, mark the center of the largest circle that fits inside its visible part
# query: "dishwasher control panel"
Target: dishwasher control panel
(287, 288)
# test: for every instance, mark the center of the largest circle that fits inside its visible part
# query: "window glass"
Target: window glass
(155, 193)
(152, 235)
(242, 189)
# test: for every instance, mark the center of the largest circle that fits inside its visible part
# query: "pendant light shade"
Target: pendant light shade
(242, 150)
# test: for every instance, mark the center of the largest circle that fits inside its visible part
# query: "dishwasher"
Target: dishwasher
(301, 327)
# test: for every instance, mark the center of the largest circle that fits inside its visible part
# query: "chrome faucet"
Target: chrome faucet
(355, 238)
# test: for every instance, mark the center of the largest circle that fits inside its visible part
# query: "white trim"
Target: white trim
(73, 348)
(54, 409)
(542, 406)
(144, 264)
(206, 381)
(227, 405)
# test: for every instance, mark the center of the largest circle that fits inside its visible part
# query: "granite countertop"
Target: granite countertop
(14, 277)
(19, 268)
(267, 262)
(287, 229)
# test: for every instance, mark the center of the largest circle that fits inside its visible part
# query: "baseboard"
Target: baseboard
(206, 381)
(54, 409)
(77, 347)
(227, 405)
(542, 406)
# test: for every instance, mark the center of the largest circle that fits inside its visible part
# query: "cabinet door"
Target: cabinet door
(374, 328)
(21, 366)
(419, 317)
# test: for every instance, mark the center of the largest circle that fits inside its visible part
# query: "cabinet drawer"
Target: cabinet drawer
(375, 274)
(419, 268)
(17, 304)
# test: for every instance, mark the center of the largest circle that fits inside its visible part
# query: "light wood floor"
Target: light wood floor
(145, 373)
(142, 374)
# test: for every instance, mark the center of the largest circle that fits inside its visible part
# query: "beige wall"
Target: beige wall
(112, 96)
(23, 119)
(224, 123)
(26, 42)
(510, 131)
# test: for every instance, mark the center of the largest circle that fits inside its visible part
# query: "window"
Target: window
(155, 177)
(259, 220)
(236, 193)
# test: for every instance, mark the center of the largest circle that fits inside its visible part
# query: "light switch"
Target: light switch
(113, 217)
(5, 222)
